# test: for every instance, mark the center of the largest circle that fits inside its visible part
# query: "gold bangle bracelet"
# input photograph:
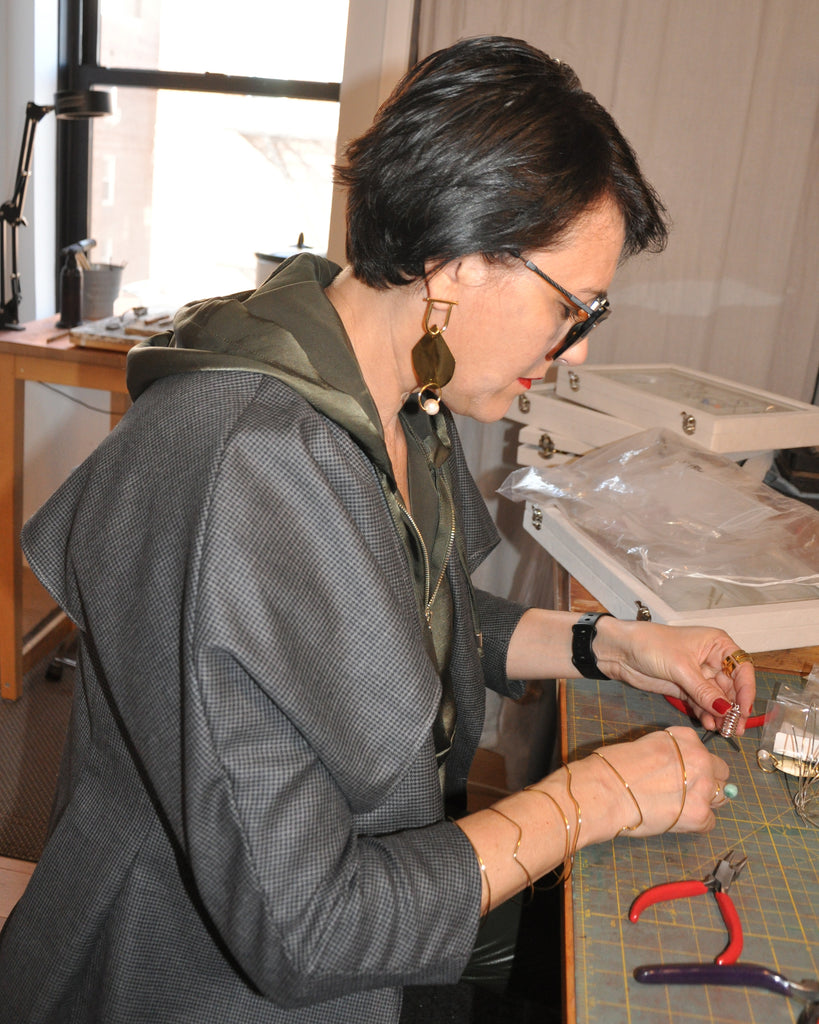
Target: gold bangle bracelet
(515, 852)
(579, 819)
(625, 828)
(562, 875)
(484, 872)
(684, 778)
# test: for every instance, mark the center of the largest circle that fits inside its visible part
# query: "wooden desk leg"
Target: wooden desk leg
(562, 588)
(120, 404)
(11, 515)
(563, 602)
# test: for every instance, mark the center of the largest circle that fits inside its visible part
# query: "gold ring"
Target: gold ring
(730, 662)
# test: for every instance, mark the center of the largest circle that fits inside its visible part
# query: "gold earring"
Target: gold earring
(431, 359)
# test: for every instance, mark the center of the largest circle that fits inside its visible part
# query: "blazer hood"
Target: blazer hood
(286, 329)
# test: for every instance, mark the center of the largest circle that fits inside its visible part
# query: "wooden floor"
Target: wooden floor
(14, 876)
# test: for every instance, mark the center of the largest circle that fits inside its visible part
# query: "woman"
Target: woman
(281, 657)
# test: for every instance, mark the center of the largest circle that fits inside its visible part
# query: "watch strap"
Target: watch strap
(583, 633)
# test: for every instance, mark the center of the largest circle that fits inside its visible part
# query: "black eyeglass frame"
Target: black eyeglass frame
(593, 313)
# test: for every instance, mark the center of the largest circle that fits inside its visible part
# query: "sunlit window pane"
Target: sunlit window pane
(289, 39)
(188, 187)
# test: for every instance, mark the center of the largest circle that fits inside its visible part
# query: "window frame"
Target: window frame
(79, 68)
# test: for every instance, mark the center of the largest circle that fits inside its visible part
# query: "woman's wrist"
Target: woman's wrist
(604, 803)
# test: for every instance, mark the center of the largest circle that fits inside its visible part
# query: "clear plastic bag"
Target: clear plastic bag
(790, 735)
(690, 524)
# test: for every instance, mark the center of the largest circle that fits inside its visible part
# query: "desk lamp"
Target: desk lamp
(71, 106)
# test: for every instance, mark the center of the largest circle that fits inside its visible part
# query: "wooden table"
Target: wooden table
(777, 896)
(32, 355)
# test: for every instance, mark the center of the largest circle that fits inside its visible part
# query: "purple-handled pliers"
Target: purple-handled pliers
(743, 975)
(717, 882)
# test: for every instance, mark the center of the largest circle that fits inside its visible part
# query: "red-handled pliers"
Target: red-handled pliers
(718, 883)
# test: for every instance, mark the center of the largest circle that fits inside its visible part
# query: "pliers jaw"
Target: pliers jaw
(709, 734)
(727, 869)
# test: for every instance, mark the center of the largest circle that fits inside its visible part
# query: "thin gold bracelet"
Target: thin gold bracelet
(515, 852)
(562, 876)
(579, 819)
(684, 778)
(484, 872)
(625, 828)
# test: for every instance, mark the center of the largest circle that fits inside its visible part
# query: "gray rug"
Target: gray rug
(32, 732)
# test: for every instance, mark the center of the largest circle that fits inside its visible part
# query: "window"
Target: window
(221, 144)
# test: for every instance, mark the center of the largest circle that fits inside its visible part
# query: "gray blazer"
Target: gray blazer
(249, 825)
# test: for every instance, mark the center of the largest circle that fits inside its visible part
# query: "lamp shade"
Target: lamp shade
(77, 105)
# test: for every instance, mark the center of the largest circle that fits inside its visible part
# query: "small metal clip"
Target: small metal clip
(546, 447)
(643, 613)
(524, 404)
(574, 381)
(537, 516)
(689, 424)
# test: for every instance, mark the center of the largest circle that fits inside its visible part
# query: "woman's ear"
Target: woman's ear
(469, 271)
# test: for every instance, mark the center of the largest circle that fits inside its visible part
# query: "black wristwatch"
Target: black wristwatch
(583, 633)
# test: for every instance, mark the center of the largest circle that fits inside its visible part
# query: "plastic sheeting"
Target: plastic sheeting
(691, 525)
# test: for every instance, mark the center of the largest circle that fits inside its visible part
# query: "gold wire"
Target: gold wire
(484, 873)
(579, 819)
(684, 779)
(562, 876)
(529, 882)
(625, 828)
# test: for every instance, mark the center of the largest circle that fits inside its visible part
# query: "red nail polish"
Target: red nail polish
(721, 705)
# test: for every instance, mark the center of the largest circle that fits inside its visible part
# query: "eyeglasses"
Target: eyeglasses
(587, 316)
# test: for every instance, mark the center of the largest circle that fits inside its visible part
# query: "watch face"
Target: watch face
(694, 392)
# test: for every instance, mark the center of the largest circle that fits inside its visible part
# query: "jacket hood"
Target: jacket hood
(287, 329)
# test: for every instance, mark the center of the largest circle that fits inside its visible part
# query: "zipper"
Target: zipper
(429, 593)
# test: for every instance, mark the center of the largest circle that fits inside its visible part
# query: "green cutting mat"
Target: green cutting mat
(776, 896)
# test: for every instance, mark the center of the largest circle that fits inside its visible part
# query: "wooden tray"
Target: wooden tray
(118, 333)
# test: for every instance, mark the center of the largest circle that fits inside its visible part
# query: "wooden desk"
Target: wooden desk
(29, 356)
(777, 896)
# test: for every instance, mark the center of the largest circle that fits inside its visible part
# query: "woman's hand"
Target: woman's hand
(680, 661)
(674, 782)
(665, 781)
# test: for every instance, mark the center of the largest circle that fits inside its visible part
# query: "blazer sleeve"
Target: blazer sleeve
(499, 618)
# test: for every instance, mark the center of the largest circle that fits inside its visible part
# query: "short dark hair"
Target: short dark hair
(488, 146)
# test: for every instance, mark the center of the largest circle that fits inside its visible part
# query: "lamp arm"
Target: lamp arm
(12, 210)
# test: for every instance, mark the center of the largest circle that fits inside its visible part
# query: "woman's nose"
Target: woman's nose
(575, 355)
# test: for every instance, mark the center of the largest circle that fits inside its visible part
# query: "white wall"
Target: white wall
(377, 55)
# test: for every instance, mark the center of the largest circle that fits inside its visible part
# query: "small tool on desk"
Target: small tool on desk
(718, 882)
(743, 975)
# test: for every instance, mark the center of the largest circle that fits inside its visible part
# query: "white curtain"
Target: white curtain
(720, 99)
